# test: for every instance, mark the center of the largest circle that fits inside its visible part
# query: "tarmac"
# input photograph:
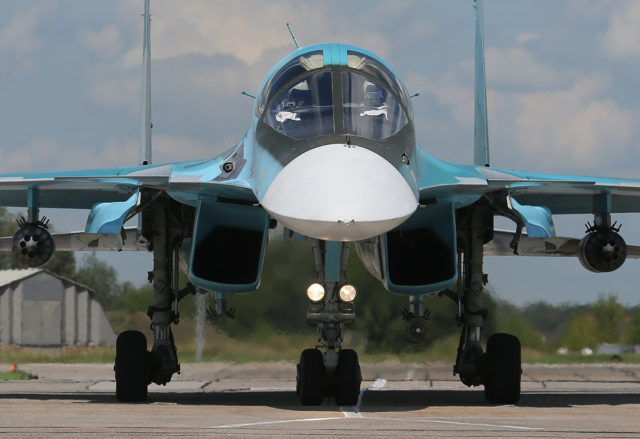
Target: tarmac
(258, 400)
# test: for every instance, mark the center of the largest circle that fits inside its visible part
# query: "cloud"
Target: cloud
(114, 89)
(516, 67)
(167, 148)
(573, 128)
(48, 154)
(106, 43)
(242, 29)
(622, 38)
(207, 52)
(457, 97)
(565, 123)
(525, 37)
(248, 30)
(19, 37)
(595, 9)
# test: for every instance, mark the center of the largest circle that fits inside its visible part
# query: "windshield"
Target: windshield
(288, 72)
(360, 61)
(369, 109)
(304, 109)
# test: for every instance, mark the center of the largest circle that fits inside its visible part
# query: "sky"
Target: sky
(563, 94)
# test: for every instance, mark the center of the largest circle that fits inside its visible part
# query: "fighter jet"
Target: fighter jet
(330, 156)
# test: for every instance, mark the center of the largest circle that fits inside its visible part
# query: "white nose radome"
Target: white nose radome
(340, 193)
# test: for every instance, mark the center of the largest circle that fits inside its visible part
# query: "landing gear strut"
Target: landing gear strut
(329, 370)
(499, 369)
(136, 368)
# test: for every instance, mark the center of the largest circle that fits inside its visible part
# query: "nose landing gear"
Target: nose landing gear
(314, 382)
(329, 370)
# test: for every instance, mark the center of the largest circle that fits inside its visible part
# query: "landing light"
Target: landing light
(347, 293)
(315, 292)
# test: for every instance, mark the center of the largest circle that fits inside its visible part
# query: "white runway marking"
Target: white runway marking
(378, 384)
(358, 415)
(441, 421)
(285, 421)
(353, 412)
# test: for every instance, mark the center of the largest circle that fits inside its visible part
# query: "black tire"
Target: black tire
(347, 378)
(312, 379)
(132, 367)
(502, 369)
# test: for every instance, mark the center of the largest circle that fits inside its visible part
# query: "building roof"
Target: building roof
(9, 276)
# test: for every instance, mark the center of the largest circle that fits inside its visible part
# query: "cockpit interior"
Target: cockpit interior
(309, 97)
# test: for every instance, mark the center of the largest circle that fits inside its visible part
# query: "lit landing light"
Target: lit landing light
(315, 292)
(340, 193)
(347, 293)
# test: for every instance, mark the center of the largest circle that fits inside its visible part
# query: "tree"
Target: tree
(551, 320)
(582, 333)
(7, 228)
(62, 263)
(131, 299)
(511, 320)
(98, 276)
(609, 315)
(633, 330)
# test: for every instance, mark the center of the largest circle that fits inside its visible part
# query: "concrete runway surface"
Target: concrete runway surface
(257, 400)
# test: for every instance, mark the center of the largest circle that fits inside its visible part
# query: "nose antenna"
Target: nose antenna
(293, 36)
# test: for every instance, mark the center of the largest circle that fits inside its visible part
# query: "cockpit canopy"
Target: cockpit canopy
(334, 90)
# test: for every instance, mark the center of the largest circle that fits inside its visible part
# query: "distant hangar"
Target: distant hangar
(40, 308)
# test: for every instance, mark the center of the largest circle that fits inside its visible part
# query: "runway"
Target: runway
(257, 400)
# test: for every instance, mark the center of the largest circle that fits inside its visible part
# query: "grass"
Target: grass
(576, 358)
(17, 375)
(73, 354)
(268, 345)
(281, 347)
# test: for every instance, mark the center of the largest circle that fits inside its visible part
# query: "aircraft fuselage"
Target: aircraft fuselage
(332, 145)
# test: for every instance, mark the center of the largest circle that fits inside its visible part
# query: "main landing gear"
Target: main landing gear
(132, 367)
(135, 368)
(329, 370)
(502, 369)
(499, 368)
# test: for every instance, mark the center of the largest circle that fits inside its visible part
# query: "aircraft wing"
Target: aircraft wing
(82, 189)
(113, 195)
(552, 246)
(560, 194)
(566, 194)
(126, 240)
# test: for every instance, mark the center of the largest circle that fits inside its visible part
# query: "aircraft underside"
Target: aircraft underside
(453, 268)
(327, 368)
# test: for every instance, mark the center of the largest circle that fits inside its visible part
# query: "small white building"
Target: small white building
(40, 308)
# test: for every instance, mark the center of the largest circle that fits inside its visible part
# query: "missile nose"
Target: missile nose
(340, 193)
